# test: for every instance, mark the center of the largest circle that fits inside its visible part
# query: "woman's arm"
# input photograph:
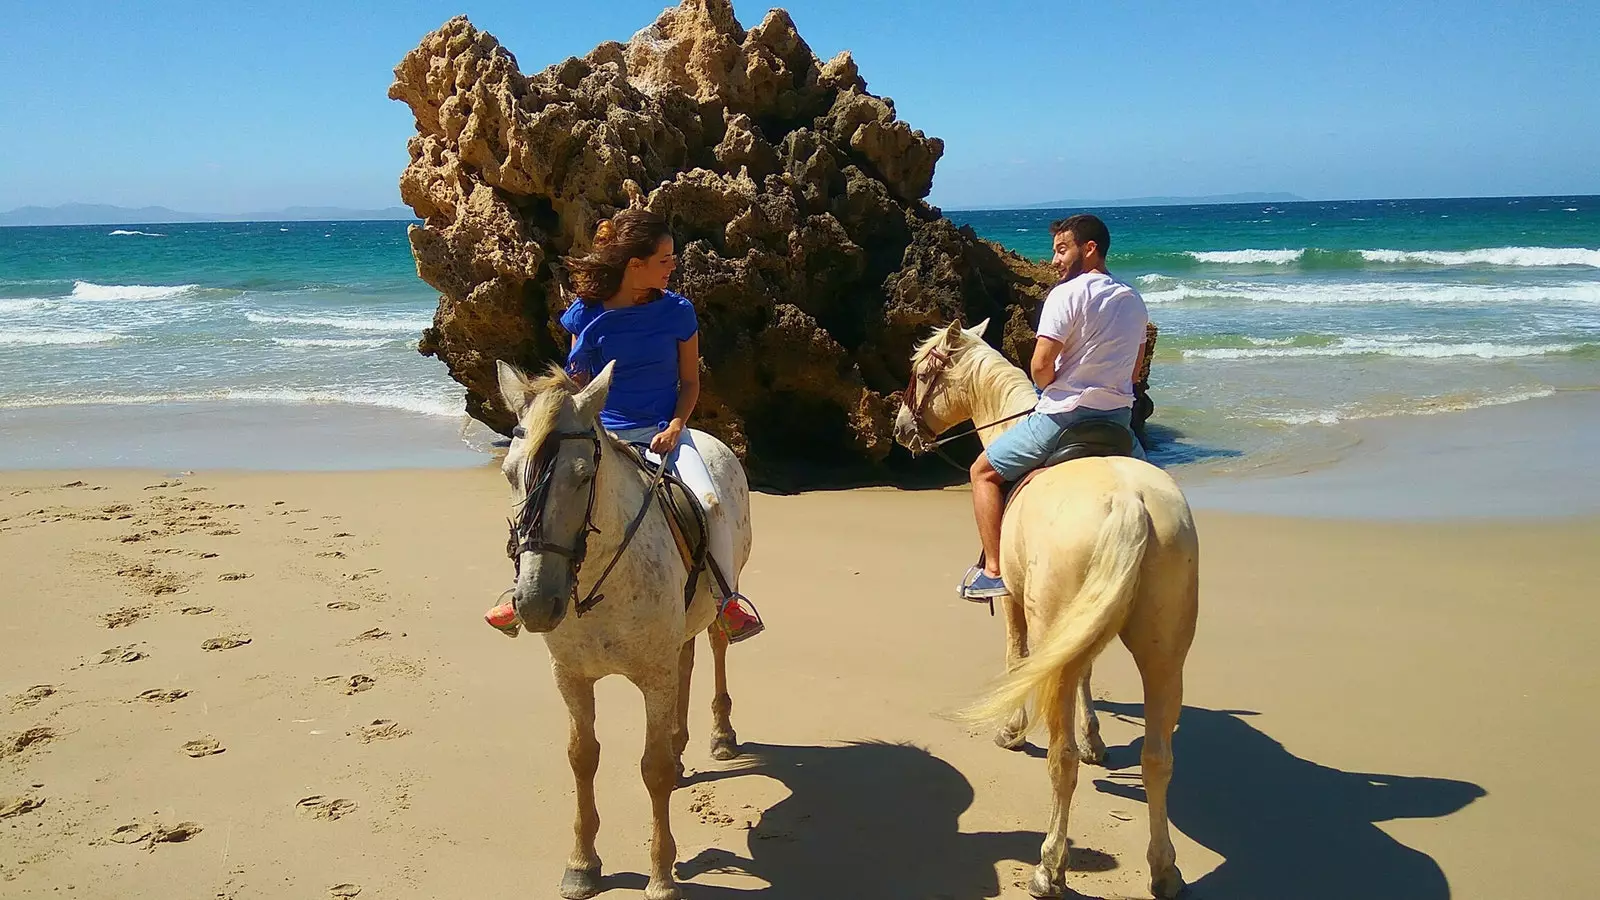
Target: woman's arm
(688, 395)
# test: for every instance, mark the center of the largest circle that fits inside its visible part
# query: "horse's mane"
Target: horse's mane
(996, 375)
(548, 394)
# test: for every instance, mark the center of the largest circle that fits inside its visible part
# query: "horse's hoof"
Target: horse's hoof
(1167, 885)
(665, 890)
(1042, 887)
(724, 747)
(1092, 751)
(1007, 739)
(580, 884)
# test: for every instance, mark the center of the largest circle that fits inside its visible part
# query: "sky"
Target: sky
(225, 107)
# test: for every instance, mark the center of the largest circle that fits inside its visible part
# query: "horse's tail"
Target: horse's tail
(1084, 626)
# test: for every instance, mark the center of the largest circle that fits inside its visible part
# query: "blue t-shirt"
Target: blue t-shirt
(643, 342)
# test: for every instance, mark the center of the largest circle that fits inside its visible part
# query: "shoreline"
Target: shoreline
(1504, 461)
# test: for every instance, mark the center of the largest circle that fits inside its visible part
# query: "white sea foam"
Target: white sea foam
(1577, 292)
(1247, 257)
(349, 323)
(55, 338)
(1518, 257)
(88, 290)
(1427, 406)
(1391, 346)
(381, 398)
(22, 305)
(120, 231)
(332, 343)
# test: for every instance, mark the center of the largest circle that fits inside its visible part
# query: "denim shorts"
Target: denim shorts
(1031, 441)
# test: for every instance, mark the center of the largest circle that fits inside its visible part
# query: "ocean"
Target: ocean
(1276, 321)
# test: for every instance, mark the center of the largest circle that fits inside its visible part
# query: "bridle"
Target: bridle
(527, 529)
(915, 402)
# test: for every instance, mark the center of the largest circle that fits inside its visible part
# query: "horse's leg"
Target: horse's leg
(656, 766)
(1163, 700)
(1091, 749)
(680, 730)
(1050, 878)
(582, 878)
(1158, 635)
(1015, 732)
(724, 742)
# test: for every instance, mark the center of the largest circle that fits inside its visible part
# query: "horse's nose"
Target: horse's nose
(541, 595)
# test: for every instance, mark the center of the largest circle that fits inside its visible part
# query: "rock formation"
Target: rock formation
(795, 195)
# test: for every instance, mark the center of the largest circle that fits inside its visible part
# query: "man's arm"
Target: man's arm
(1043, 366)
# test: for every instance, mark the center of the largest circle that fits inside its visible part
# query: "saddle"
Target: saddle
(1092, 438)
(685, 518)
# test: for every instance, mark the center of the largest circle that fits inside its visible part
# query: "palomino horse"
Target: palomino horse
(1091, 549)
(578, 498)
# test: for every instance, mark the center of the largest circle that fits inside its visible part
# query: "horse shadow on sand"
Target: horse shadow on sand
(1286, 826)
(871, 819)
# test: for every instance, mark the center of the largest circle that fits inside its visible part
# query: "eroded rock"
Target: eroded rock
(796, 197)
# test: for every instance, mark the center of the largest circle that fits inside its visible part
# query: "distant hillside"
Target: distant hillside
(1258, 197)
(101, 214)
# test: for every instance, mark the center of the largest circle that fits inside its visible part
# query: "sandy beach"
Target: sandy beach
(1375, 709)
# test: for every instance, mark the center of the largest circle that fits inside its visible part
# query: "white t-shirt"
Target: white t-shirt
(1100, 324)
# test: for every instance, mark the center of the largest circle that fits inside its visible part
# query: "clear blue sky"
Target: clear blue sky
(216, 107)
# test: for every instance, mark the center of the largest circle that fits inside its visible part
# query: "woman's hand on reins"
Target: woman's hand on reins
(666, 440)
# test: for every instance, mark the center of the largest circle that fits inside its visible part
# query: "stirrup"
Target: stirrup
(510, 627)
(966, 583)
(750, 630)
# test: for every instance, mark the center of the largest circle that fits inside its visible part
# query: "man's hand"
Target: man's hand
(666, 440)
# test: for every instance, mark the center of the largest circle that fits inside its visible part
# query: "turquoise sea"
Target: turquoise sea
(1274, 319)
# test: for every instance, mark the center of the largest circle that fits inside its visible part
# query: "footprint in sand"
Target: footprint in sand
(197, 610)
(33, 737)
(372, 634)
(163, 695)
(345, 605)
(379, 730)
(126, 654)
(16, 806)
(344, 891)
(362, 575)
(332, 554)
(121, 618)
(222, 532)
(32, 696)
(233, 576)
(226, 642)
(343, 534)
(203, 747)
(137, 834)
(320, 807)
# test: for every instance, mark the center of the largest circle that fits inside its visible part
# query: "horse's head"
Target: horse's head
(551, 464)
(939, 395)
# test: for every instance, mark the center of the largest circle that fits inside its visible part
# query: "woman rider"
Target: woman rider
(625, 314)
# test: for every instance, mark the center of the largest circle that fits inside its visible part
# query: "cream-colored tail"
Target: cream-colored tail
(1083, 627)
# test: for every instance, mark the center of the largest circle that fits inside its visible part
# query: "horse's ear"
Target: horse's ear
(592, 398)
(952, 333)
(515, 389)
(979, 330)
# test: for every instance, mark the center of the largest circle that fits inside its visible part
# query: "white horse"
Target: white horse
(1091, 549)
(579, 495)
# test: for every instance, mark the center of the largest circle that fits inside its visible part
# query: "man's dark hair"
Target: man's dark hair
(1084, 227)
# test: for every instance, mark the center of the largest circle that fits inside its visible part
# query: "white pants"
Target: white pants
(686, 463)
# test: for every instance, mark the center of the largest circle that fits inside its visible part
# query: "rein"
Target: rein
(527, 529)
(931, 441)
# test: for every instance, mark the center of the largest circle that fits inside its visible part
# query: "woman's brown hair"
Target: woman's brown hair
(631, 234)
